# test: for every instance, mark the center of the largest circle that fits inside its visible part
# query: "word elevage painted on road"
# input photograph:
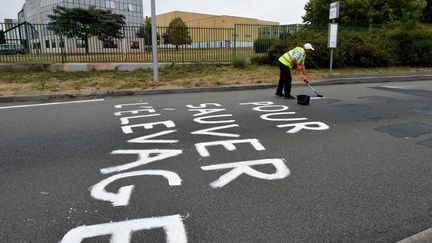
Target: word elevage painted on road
(212, 122)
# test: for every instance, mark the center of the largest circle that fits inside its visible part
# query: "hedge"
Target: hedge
(389, 46)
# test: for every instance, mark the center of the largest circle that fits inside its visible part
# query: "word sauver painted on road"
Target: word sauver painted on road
(207, 114)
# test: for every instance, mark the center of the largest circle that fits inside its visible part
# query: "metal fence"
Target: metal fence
(40, 43)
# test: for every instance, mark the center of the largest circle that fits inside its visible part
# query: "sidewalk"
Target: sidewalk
(351, 79)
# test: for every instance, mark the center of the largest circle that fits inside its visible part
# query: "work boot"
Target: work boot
(279, 94)
(290, 97)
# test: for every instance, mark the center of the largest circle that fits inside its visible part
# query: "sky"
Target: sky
(282, 11)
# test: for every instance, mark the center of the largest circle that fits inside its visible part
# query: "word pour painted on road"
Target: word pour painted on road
(216, 120)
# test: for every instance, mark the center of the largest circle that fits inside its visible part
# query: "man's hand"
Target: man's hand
(299, 67)
(305, 78)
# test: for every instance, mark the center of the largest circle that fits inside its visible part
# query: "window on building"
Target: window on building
(80, 43)
(110, 44)
(134, 45)
(37, 45)
(112, 4)
(131, 7)
(53, 44)
(61, 44)
(47, 44)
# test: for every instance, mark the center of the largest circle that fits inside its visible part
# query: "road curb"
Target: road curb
(332, 81)
(422, 237)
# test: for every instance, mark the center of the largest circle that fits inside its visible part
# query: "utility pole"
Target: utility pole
(154, 43)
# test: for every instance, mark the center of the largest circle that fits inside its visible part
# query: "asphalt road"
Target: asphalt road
(353, 167)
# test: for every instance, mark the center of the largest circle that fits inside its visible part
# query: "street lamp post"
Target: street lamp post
(154, 43)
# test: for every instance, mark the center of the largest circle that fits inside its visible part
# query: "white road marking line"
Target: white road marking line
(396, 87)
(425, 236)
(317, 98)
(46, 104)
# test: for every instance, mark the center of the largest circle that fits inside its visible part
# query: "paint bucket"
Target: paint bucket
(303, 99)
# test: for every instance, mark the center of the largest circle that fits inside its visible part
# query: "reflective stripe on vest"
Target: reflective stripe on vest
(287, 57)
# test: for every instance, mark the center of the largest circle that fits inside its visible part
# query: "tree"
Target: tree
(427, 13)
(146, 32)
(362, 13)
(177, 33)
(2, 37)
(85, 23)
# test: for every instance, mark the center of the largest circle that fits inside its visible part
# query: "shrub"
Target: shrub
(239, 62)
(412, 46)
(262, 45)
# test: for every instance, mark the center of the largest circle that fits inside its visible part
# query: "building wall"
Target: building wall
(213, 31)
(209, 21)
(37, 11)
(32, 11)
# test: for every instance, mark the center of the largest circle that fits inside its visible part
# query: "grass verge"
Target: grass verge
(175, 76)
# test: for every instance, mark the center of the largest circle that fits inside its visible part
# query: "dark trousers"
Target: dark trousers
(284, 80)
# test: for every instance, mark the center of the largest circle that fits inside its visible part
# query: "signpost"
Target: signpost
(333, 30)
(154, 43)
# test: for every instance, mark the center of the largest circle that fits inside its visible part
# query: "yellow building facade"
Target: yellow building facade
(208, 21)
(215, 31)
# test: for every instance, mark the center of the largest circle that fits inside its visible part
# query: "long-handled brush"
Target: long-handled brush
(315, 91)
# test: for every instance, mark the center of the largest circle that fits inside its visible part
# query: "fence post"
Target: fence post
(235, 42)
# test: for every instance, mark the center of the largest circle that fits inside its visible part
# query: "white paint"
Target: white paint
(169, 109)
(204, 105)
(143, 158)
(267, 117)
(205, 111)
(316, 126)
(260, 103)
(133, 104)
(228, 144)
(273, 108)
(209, 131)
(145, 139)
(317, 98)
(135, 112)
(121, 198)
(128, 129)
(202, 120)
(53, 103)
(245, 167)
(397, 87)
(121, 232)
(125, 120)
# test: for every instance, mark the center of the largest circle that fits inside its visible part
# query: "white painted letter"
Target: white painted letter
(261, 108)
(125, 120)
(121, 106)
(202, 105)
(122, 231)
(228, 144)
(266, 117)
(244, 167)
(121, 198)
(128, 129)
(205, 111)
(317, 126)
(143, 158)
(209, 132)
(201, 119)
(149, 109)
(258, 103)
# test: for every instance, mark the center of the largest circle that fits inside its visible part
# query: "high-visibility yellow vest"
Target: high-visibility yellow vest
(297, 53)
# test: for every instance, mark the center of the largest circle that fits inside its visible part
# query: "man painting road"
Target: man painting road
(293, 59)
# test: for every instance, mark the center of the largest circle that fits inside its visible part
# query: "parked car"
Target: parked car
(12, 49)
